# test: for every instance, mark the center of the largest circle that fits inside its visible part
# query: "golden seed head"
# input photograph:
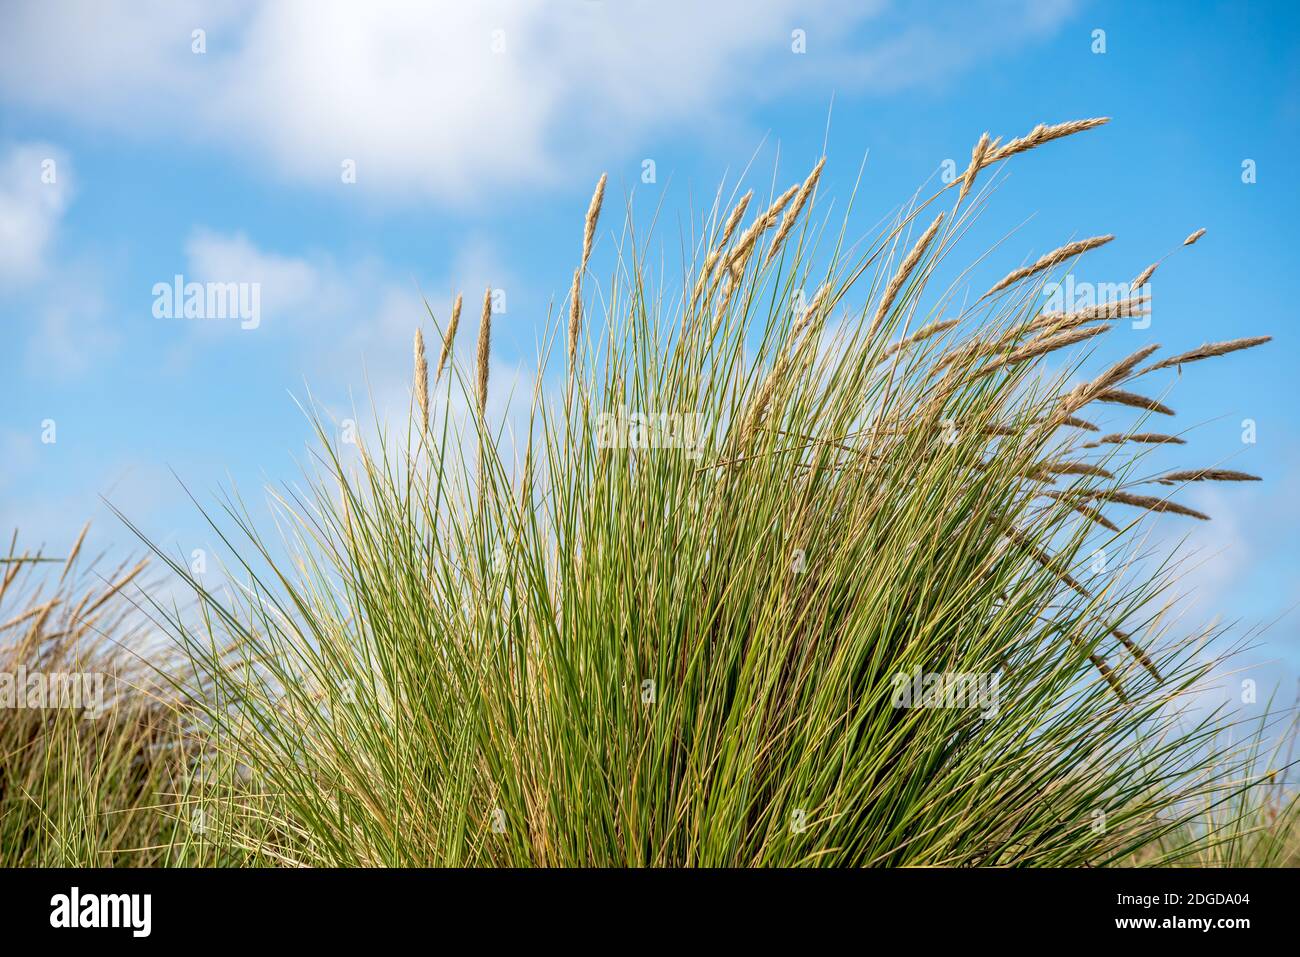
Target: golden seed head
(421, 381)
(575, 314)
(977, 155)
(900, 277)
(593, 214)
(484, 351)
(734, 219)
(796, 207)
(449, 338)
(1054, 258)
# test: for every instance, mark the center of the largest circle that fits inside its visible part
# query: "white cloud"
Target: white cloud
(290, 281)
(451, 100)
(66, 314)
(351, 323)
(34, 193)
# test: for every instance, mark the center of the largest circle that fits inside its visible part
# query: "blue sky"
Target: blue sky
(475, 153)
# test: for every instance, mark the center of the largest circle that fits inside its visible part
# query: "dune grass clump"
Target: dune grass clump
(93, 749)
(793, 561)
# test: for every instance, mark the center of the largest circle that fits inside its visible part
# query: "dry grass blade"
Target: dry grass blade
(1190, 240)
(30, 613)
(110, 591)
(76, 550)
(1091, 513)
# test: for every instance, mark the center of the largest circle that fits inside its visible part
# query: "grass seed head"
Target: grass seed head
(977, 156)
(900, 277)
(449, 339)
(421, 381)
(1054, 258)
(593, 214)
(796, 207)
(484, 351)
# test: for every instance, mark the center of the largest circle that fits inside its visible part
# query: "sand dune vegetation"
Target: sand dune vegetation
(793, 562)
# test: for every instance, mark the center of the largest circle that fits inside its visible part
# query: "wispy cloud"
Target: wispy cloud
(65, 312)
(348, 322)
(450, 101)
(35, 189)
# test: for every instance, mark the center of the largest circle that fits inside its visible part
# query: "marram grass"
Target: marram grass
(94, 754)
(664, 624)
